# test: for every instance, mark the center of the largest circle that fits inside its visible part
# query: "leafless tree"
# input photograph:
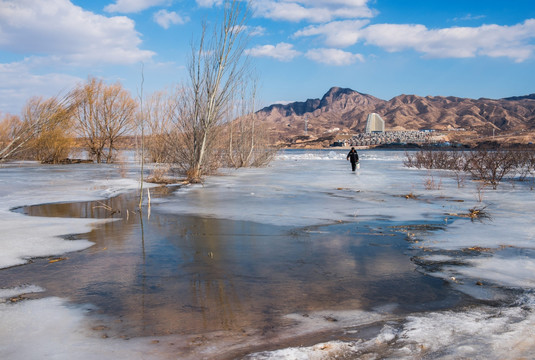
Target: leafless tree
(103, 114)
(525, 163)
(9, 127)
(118, 114)
(487, 165)
(87, 116)
(158, 112)
(248, 141)
(38, 118)
(491, 166)
(216, 67)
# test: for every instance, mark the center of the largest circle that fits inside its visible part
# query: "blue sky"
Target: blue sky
(300, 48)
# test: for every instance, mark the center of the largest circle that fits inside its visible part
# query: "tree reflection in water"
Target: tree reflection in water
(174, 274)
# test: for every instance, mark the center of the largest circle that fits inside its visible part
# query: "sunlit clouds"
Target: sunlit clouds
(336, 33)
(342, 24)
(17, 78)
(166, 18)
(60, 29)
(457, 42)
(313, 11)
(469, 49)
(281, 51)
(133, 6)
(334, 57)
(51, 36)
(208, 3)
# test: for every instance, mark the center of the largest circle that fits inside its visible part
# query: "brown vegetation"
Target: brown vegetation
(487, 165)
(103, 113)
(203, 136)
(194, 130)
(42, 134)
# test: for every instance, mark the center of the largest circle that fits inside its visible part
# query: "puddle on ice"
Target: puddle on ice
(191, 275)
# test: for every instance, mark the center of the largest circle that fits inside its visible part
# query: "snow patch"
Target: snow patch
(49, 328)
(19, 290)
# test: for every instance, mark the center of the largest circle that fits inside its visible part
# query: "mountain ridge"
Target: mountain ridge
(346, 110)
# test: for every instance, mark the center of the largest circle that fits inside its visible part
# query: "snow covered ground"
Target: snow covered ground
(491, 259)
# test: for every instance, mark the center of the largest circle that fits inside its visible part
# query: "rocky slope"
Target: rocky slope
(346, 110)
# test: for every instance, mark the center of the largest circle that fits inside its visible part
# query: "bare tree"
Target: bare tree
(38, 118)
(87, 115)
(9, 127)
(487, 165)
(491, 166)
(525, 163)
(158, 113)
(103, 114)
(216, 67)
(248, 141)
(118, 115)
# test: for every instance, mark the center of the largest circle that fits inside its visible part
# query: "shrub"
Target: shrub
(489, 166)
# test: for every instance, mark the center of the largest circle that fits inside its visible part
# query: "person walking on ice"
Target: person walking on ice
(354, 158)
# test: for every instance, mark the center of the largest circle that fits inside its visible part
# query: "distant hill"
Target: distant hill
(526, 97)
(347, 110)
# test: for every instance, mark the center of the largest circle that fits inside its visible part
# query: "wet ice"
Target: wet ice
(301, 188)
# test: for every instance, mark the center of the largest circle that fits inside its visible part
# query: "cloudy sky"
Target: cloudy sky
(300, 48)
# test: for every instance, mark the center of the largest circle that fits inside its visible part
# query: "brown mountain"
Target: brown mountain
(346, 110)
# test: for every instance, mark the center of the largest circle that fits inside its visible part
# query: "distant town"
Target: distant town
(390, 137)
(376, 135)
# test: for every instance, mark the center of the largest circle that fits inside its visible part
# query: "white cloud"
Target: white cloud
(334, 57)
(515, 42)
(281, 51)
(133, 6)
(312, 10)
(165, 18)
(469, 17)
(19, 84)
(337, 33)
(209, 3)
(252, 30)
(257, 31)
(61, 29)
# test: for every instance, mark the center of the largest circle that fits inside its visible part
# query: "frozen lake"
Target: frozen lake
(302, 259)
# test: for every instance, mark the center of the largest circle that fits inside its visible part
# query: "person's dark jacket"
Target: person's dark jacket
(353, 157)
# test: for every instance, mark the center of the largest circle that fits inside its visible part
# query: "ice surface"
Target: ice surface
(518, 272)
(300, 188)
(308, 189)
(317, 187)
(482, 333)
(485, 333)
(329, 350)
(20, 290)
(50, 328)
(23, 237)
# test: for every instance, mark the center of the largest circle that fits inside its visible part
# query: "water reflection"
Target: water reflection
(187, 274)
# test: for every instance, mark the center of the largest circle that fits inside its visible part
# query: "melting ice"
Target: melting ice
(486, 259)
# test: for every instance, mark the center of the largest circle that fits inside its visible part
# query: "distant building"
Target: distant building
(375, 124)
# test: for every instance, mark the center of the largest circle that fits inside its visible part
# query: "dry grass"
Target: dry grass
(410, 195)
(474, 214)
